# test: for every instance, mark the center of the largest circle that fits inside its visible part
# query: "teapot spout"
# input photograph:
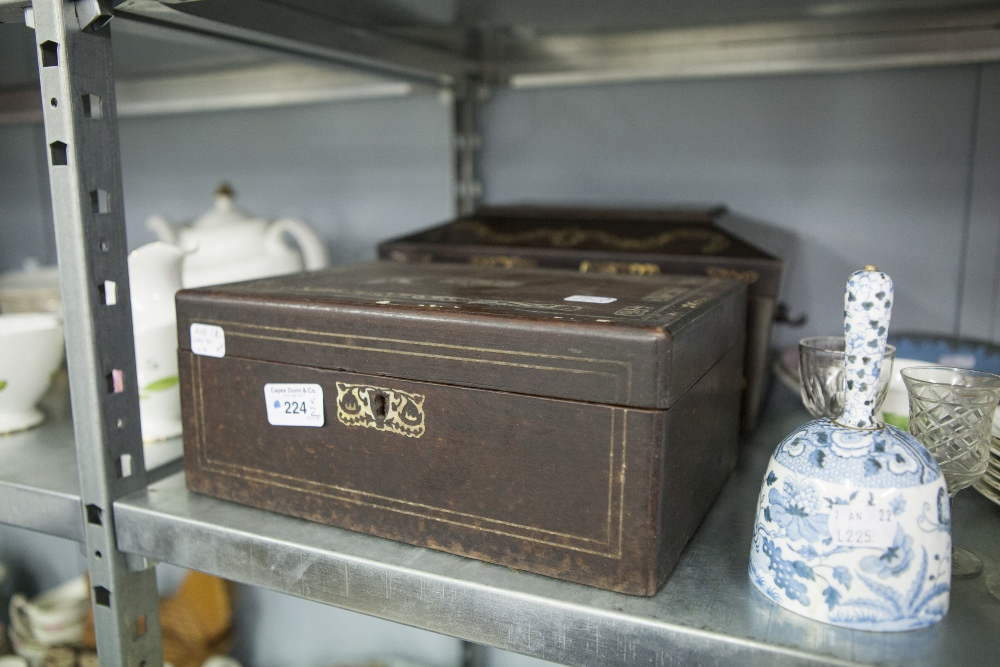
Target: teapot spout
(160, 226)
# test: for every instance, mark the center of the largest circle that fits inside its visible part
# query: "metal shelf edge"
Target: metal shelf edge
(413, 586)
(708, 607)
(285, 29)
(41, 510)
(238, 89)
(39, 484)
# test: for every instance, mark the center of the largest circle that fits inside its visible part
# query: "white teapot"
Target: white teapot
(226, 245)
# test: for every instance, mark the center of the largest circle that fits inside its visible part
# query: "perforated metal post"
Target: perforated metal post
(81, 132)
(469, 94)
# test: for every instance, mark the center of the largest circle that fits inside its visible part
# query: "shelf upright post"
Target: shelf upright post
(468, 94)
(81, 132)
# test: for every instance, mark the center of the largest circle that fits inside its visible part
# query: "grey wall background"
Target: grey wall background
(355, 171)
(838, 170)
(899, 167)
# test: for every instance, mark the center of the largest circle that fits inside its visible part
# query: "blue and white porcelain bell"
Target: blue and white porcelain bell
(853, 525)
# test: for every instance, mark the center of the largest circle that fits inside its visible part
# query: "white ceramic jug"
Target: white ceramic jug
(155, 276)
(226, 245)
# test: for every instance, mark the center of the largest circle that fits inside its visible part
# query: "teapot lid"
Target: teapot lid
(224, 211)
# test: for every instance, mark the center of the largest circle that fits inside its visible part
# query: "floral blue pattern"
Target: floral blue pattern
(796, 562)
(786, 572)
(796, 511)
(916, 608)
(851, 528)
(885, 457)
(894, 560)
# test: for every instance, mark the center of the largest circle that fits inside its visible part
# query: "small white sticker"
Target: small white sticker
(208, 340)
(582, 298)
(862, 525)
(294, 404)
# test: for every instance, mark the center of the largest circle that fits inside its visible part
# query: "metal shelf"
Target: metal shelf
(707, 612)
(161, 71)
(524, 44)
(572, 42)
(40, 485)
(209, 55)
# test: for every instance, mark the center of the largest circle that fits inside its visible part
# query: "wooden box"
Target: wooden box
(578, 426)
(632, 241)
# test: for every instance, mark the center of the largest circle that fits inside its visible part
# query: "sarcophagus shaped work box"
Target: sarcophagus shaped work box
(578, 426)
(624, 241)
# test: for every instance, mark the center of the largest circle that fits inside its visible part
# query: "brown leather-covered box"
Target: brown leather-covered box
(578, 426)
(614, 240)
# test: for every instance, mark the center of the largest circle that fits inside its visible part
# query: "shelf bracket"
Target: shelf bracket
(73, 45)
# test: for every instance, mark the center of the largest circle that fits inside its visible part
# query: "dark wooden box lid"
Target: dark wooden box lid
(679, 240)
(524, 331)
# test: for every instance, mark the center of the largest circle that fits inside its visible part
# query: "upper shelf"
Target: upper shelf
(530, 43)
(174, 56)
(707, 613)
(159, 70)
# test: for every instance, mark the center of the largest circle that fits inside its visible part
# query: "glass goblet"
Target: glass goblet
(951, 411)
(821, 375)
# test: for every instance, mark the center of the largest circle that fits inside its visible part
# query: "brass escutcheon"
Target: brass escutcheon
(382, 409)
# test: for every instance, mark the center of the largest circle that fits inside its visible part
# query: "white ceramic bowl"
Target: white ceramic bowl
(31, 350)
(33, 290)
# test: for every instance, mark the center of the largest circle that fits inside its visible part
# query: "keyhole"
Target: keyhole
(378, 405)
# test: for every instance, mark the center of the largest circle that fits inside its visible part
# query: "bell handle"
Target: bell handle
(867, 310)
(310, 244)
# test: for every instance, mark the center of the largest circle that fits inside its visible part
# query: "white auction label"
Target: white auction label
(583, 298)
(208, 340)
(862, 525)
(294, 404)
